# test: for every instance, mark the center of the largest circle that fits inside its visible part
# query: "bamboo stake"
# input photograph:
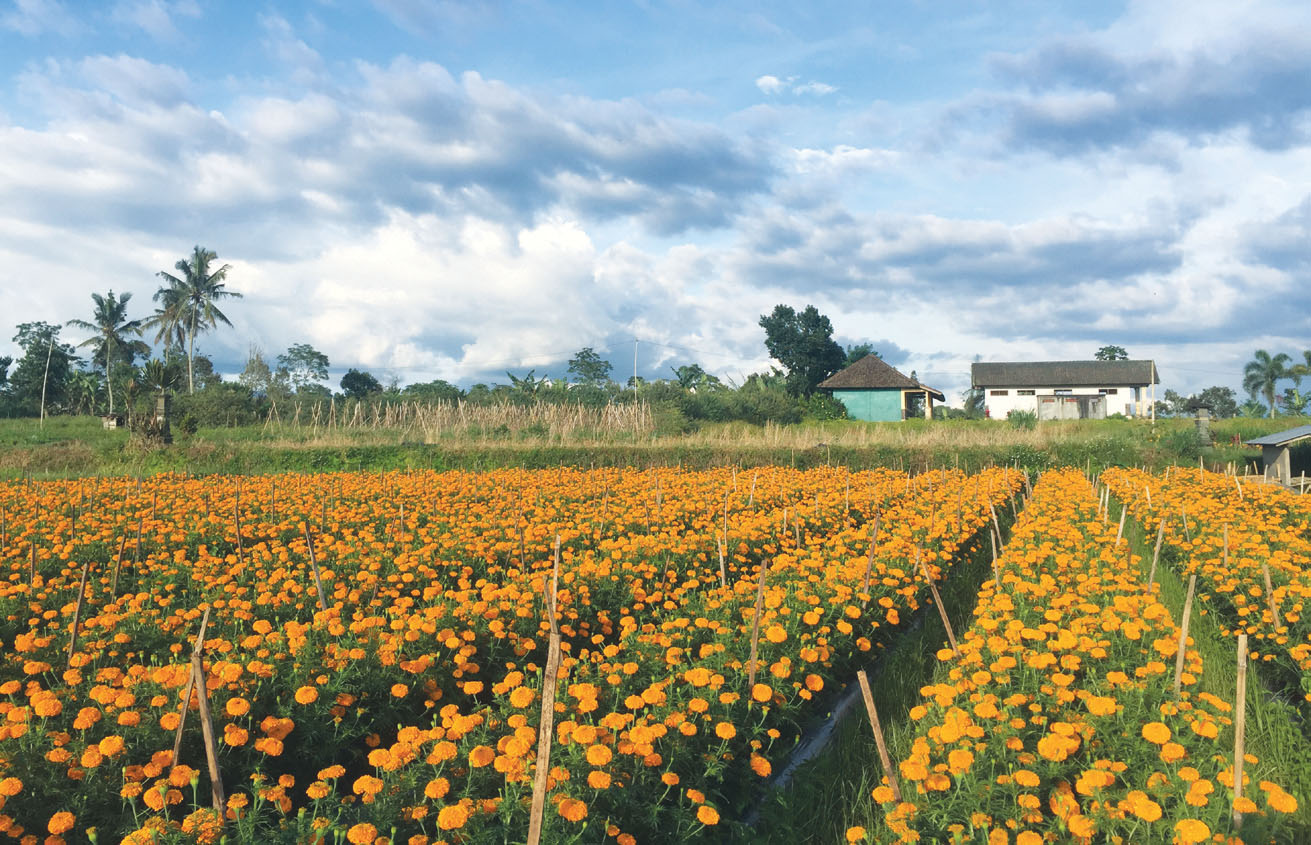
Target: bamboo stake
(1148, 491)
(869, 564)
(1119, 534)
(31, 568)
(186, 694)
(1156, 554)
(1240, 488)
(77, 612)
(546, 726)
(751, 499)
(314, 565)
(755, 631)
(1224, 560)
(1183, 635)
(236, 516)
(207, 734)
(723, 572)
(884, 757)
(1240, 725)
(1270, 594)
(996, 570)
(937, 599)
(118, 562)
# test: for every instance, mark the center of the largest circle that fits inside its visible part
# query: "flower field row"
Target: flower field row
(1232, 534)
(1058, 722)
(375, 644)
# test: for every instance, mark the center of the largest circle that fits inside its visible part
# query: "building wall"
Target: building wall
(1126, 400)
(871, 405)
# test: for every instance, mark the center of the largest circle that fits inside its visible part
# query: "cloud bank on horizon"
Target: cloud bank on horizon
(442, 189)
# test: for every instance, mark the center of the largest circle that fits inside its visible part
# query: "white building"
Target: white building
(1058, 390)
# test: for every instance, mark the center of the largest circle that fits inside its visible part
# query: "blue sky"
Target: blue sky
(452, 189)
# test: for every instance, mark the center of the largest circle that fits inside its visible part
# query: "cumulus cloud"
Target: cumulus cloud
(1242, 70)
(35, 17)
(155, 17)
(772, 85)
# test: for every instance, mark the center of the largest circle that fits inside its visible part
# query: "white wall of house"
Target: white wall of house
(1120, 399)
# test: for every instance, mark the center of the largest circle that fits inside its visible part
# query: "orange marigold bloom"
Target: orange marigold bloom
(598, 755)
(1191, 831)
(61, 822)
(237, 706)
(452, 817)
(10, 786)
(481, 755)
(1156, 732)
(362, 834)
(572, 810)
(856, 834)
(367, 785)
(762, 693)
(725, 730)
(707, 815)
(307, 695)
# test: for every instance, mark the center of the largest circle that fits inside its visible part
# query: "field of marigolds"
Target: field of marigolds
(632, 656)
(374, 645)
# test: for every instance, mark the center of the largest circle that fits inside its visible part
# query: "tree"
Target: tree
(189, 300)
(437, 390)
(303, 366)
(83, 391)
(359, 385)
(45, 367)
(589, 368)
(110, 341)
(1111, 353)
(803, 343)
(5, 361)
(692, 377)
(858, 351)
(1221, 401)
(1262, 373)
(528, 384)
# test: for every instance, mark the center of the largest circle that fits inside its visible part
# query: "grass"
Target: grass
(78, 446)
(1273, 731)
(832, 792)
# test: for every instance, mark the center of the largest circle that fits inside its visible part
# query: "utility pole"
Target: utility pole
(634, 369)
(45, 378)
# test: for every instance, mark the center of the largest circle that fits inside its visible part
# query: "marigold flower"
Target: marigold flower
(307, 695)
(452, 817)
(707, 815)
(362, 834)
(61, 822)
(571, 809)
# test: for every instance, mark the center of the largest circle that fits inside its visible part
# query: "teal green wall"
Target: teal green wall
(871, 405)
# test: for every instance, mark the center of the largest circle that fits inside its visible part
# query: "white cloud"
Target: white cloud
(34, 17)
(770, 84)
(155, 17)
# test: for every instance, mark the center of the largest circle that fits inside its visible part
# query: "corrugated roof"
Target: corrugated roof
(873, 373)
(1282, 437)
(1064, 374)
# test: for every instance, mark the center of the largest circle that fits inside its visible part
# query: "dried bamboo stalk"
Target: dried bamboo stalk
(186, 694)
(1270, 594)
(1240, 725)
(1156, 554)
(869, 564)
(77, 612)
(755, 631)
(937, 600)
(884, 758)
(314, 566)
(1183, 635)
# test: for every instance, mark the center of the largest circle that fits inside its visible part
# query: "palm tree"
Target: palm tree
(189, 302)
(1261, 374)
(170, 330)
(111, 328)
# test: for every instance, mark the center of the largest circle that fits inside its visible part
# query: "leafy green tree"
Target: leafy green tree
(1222, 402)
(109, 343)
(1294, 400)
(190, 301)
(803, 343)
(42, 354)
(1111, 353)
(303, 366)
(587, 367)
(436, 390)
(83, 391)
(359, 385)
(528, 384)
(1261, 374)
(692, 377)
(5, 361)
(858, 351)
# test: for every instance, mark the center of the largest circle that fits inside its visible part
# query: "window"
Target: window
(1024, 393)
(1109, 391)
(998, 392)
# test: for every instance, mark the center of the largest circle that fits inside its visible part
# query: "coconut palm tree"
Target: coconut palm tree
(189, 302)
(170, 330)
(1261, 374)
(112, 329)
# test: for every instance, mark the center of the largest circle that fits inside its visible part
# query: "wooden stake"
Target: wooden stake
(546, 725)
(1270, 594)
(1148, 491)
(1240, 488)
(186, 694)
(1240, 725)
(207, 734)
(236, 516)
(723, 572)
(751, 500)
(1119, 534)
(118, 562)
(937, 599)
(755, 631)
(996, 570)
(1156, 554)
(314, 565)
(1183, 635)
(31, 569)
(884, 757)
(77, 612)
(873, 541)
